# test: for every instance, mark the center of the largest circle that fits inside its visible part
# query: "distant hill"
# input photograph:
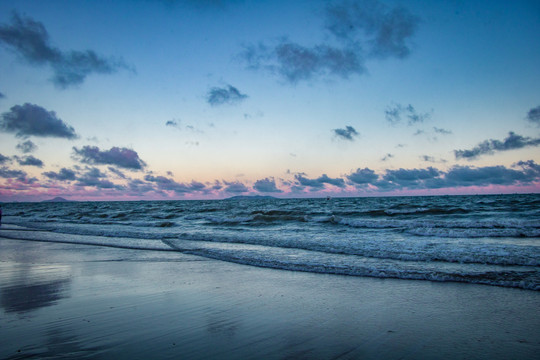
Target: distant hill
(56, 199)
(250, 197)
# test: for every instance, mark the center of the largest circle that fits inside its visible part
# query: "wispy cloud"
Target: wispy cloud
(387, 157)
(362, 30)
(383, 30)
(33, 120)
(432, 159)
(26, 146)
(511, 142)
(394, 114)
(224, 95)
(4, 159)
(121, 157)
(442, 131)
(534, 115)
(29, 39)
(347, 134)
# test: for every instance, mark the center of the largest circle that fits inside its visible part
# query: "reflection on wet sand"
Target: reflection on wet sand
(28, 287)
(25, 298)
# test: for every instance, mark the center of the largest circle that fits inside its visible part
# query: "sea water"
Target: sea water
(491, 239)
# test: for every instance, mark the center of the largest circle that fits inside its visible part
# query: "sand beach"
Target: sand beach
(78, 301)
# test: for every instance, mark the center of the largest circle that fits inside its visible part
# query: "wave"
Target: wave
(375, 246)
(310, 260)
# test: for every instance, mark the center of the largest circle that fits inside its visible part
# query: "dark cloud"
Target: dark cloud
(317, 184)
(29, 161)
(267, 185)
(2, 96)
(7, 173)
(457, 176)
(534, 115)
(33, 120)
(394, 113)
(442, 131)
(431, 159)
(490, 175)
(383, 30)
(348, 133)
(387, 157)
(235, 187)
(63, 175)
(29, 39)
(225, 95)
(167, 184)
(363, 177)
(511, 142)
(4, 159)
(121, 157)
(409, 178)
(359, 31)
(26, 146)
(172, 123)
(94, 177)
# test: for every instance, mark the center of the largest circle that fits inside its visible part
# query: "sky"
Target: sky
(180, 99)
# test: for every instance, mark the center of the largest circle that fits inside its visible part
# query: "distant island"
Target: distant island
(56, 199)
(250, 197)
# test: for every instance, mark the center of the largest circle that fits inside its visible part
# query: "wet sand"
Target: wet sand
(77, 301)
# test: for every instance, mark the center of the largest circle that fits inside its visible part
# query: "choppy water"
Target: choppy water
(492, 240)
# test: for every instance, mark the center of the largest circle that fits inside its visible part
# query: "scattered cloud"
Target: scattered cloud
(63, 175)
(534, 115)
(394, 114)
(224, 95)
(121, 157)
(387, 157)
(26, 146)
(33, 120)
(266, 185)
(347, 134)
(511, 142)
(29, 39)
(2, 96)
(358, 31)
(29, 161)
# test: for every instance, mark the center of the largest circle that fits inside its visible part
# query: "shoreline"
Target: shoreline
(61, 299)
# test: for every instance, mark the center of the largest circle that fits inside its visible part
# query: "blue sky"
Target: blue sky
(208, 99)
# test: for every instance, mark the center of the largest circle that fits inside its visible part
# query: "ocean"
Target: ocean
(488, 239)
